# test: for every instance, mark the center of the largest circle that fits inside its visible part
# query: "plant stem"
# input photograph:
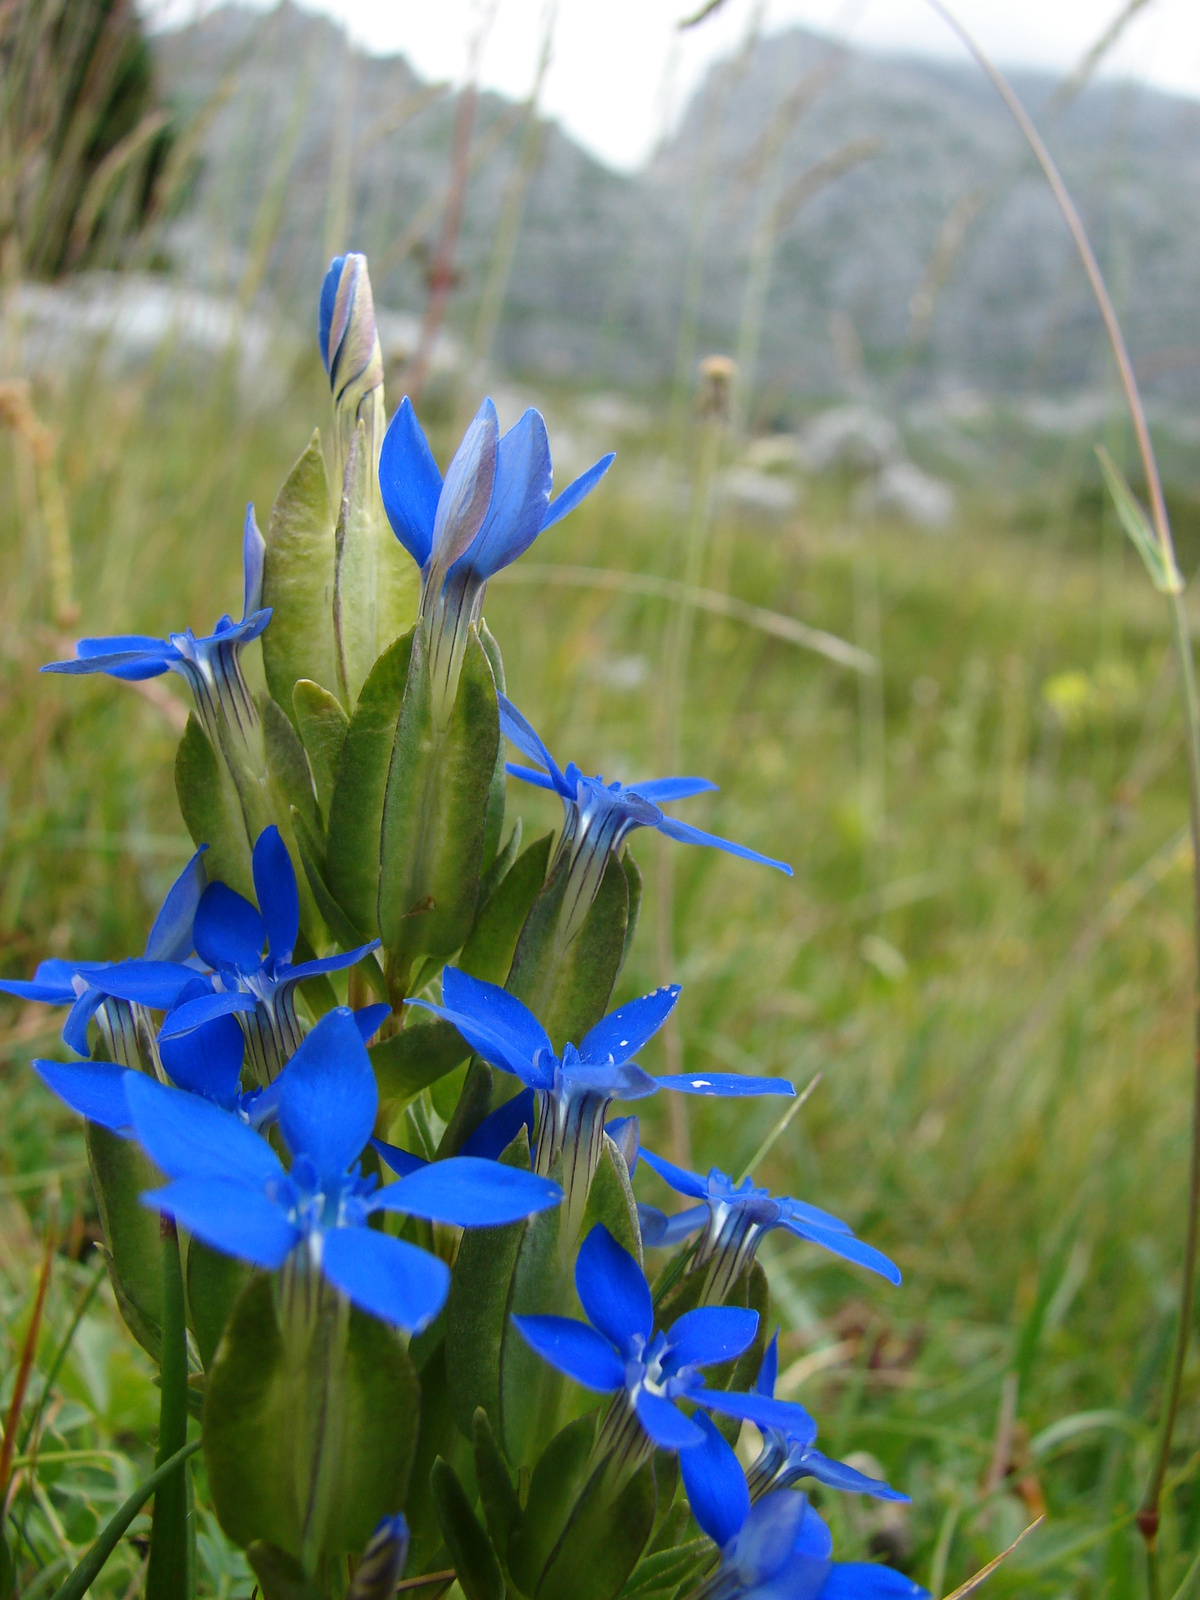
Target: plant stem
(1148, 1512)
(170, 1573)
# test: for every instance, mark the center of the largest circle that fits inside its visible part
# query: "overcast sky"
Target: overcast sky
(620, 69)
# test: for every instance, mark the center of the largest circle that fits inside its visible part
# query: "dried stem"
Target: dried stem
(1148, 1513)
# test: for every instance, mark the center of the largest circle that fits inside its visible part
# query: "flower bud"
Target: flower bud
(353, 359)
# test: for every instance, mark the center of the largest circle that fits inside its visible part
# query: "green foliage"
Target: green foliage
(471, 1553)
(298, 581)
(121, 1173)
(211, 808)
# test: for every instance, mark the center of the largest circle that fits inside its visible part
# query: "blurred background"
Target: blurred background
(854, 562)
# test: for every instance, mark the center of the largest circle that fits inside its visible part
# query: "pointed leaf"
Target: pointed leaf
(121, 1173)
(356, 807)
(431, 846)
(633, 882)
(436, 1437)
(611, 1201)
(488, 953)
(214, 1282)
(497, 1495)
(474, 1103)
(211, 809)
(475, 1562)
(414, 1058)
(603, 1541)
(280, 1576)
(298, 580)
(322, 722)
(558, 1480)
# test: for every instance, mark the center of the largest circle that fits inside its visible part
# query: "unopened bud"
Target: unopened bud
(353, 359)
(382, 1562)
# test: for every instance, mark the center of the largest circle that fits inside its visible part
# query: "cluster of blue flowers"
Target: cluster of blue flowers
(272, 1094)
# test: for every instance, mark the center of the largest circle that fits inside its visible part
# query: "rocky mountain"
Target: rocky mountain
(846, 221)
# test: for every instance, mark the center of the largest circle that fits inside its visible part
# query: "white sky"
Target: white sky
(620, 71)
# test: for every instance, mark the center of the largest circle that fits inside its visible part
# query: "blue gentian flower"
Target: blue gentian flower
(778, 1548)
(619, 1353)
(258, 988)
(122, 991)
(600, 816)
(789, 1454)
(736, 1217)
(229, 1188)
(575, 1090)
(211, 666)
(493, 504)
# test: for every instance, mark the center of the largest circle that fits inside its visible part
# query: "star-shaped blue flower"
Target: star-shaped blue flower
(789, 1454)
(778, 1548)
(257, 987)
(620, 1353)
(600, 816)
(575, 1090)
(211, 666)
(736, 1217)
(228, 1187)
(494, 502)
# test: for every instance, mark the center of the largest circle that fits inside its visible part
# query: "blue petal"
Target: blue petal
(467, 491)
(149, 660)
(254, 553)
(96, 1089)
(715, 1485)
(846, 1246)
(837, 1475)
(410, 483)
(401, 1161)
(867, 1580)
(800, 1211)
(577, 491)
(228, 930)
(170, 938)
(469, 1193)
(689, 1183)
(369, 1019)
(613, 1291)
(542, 780)
(660, 790)
(625, 1133)
(325, 304)
(519, 498)
(496, 1132)
(390, 1278)
(515, 728)
(783, 1538)
(335, 963)
(75, 1028)
(619, 1036)
(709, 1334)
(492, 1011)
(500, 1050)
(47, 994)
(574, 1348)
(278, 897)
(729, 1085)
(229, 1216)
(668, 1427)
(327, 1095)
(195, 1013)
(768, 1372)
(661, 1232)
(190, 1138)
(156, 984)
(689, 835)
(759, 1409)
(207, 1060)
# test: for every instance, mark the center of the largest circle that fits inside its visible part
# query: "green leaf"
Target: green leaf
(121, 1174)
(435, 1437)
(608, 1530)
(280, 1576)
(85, 1574)
(475, 1562)
(211, 809)
(322, 722)
(214, 1282)
(611, 1201)
(494, 826)
(309, 1423)
(500, 1501)
(431, 845)
(308, 847)
(633, 882)
(298, 581)
(474, 1103)
(664, 1570)
(289, 780)
(376, 582)
(477, 1313)
(498, 871)
(488, 953)
(356, 807)
(568, 989)
(1159, 563)
(171, 1565)
(557, 1482)
(415, 1057)
(531, 1391)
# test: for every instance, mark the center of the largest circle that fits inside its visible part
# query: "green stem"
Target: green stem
(170, 1572)
(88, 1570)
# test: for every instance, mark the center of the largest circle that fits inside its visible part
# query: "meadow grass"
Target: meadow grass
(985, 953)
